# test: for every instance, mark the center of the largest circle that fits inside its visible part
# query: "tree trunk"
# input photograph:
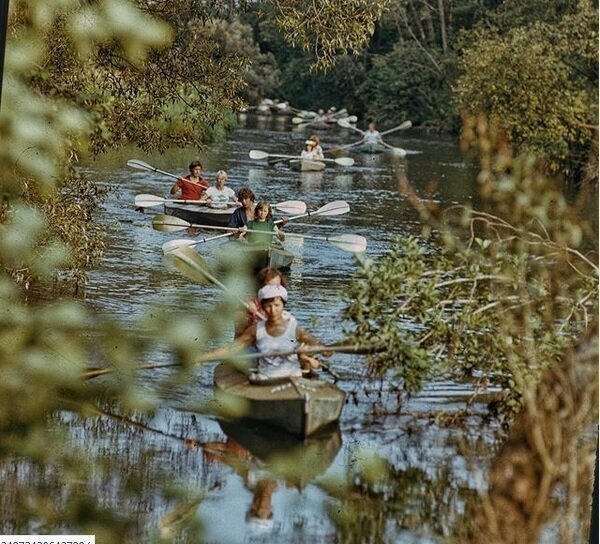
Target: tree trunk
(443, 26)
(544, 471)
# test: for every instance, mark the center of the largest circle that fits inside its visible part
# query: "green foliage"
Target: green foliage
(260, 74)
(336, 87)
(319, 28)
(505, 297)
(539, 82)
(404, 84)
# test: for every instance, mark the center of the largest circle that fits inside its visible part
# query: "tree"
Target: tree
(539, 82)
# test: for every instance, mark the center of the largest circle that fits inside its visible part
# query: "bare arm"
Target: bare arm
(247, 338)
(304, 337)
(279, 233)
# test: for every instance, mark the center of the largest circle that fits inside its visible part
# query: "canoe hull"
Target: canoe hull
(259, 256)
(300, 406)
(370, 148)
(200, 215)
(306, 165)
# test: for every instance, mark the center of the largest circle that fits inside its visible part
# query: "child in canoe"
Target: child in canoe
(263, 221)
(192, 186)
(254, 310)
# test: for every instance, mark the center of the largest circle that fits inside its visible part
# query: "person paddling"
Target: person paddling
(192, 186)
(372, 135)
(219, 195)
(279, 333)
(245, 213)
(263, 221)
(254, 311)
(317, 150)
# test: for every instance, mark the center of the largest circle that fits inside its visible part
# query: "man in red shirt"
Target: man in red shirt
(192, 186)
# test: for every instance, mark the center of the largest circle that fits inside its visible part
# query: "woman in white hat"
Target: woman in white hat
(279, 333)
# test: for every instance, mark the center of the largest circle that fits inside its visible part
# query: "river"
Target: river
(436, 465)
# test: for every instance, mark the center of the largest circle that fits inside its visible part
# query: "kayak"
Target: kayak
(299, 406)
(306, 165)
(201, 215)
(274, 255)
(370, 148)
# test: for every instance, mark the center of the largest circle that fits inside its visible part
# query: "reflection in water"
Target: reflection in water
(266, 459)
(311, 179)
(343, 181)
(370, 159)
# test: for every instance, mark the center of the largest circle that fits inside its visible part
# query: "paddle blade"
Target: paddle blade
(174, 245)
(351, 119)
(398, 152)
(337, 207)
(403, 126)
(291, 207)
(345, 161)
(343, 123)
(190, 264)
(256, 154)
(147, 201)
(298, 120)
(349, 242)
(169, 223)
(140, 165)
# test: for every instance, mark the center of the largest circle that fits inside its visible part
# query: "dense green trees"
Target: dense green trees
(530, 65)
(539, 81)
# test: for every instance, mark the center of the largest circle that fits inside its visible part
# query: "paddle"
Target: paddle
(351, 349)
(344, 124)
(303, 113)
(148, 201)
(403, 126)
(298, 120)
(398, 151)
(348, 242)
(337, 207)
(141, 165)
(192, 265)
(257, 155)
(341, 113)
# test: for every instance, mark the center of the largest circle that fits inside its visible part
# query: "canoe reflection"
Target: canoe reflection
(266, 458)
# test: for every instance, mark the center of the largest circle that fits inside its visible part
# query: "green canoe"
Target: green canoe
(274, 255)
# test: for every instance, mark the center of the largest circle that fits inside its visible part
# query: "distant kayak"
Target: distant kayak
(306, 165)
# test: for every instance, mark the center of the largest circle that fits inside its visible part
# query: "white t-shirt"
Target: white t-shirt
(224, 195)
(278, 366)
(371, 137)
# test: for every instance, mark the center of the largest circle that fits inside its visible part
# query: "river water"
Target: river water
(435, 465)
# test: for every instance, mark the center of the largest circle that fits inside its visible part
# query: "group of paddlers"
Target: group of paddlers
(248, 216)
(313, 150)
(267, 326)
